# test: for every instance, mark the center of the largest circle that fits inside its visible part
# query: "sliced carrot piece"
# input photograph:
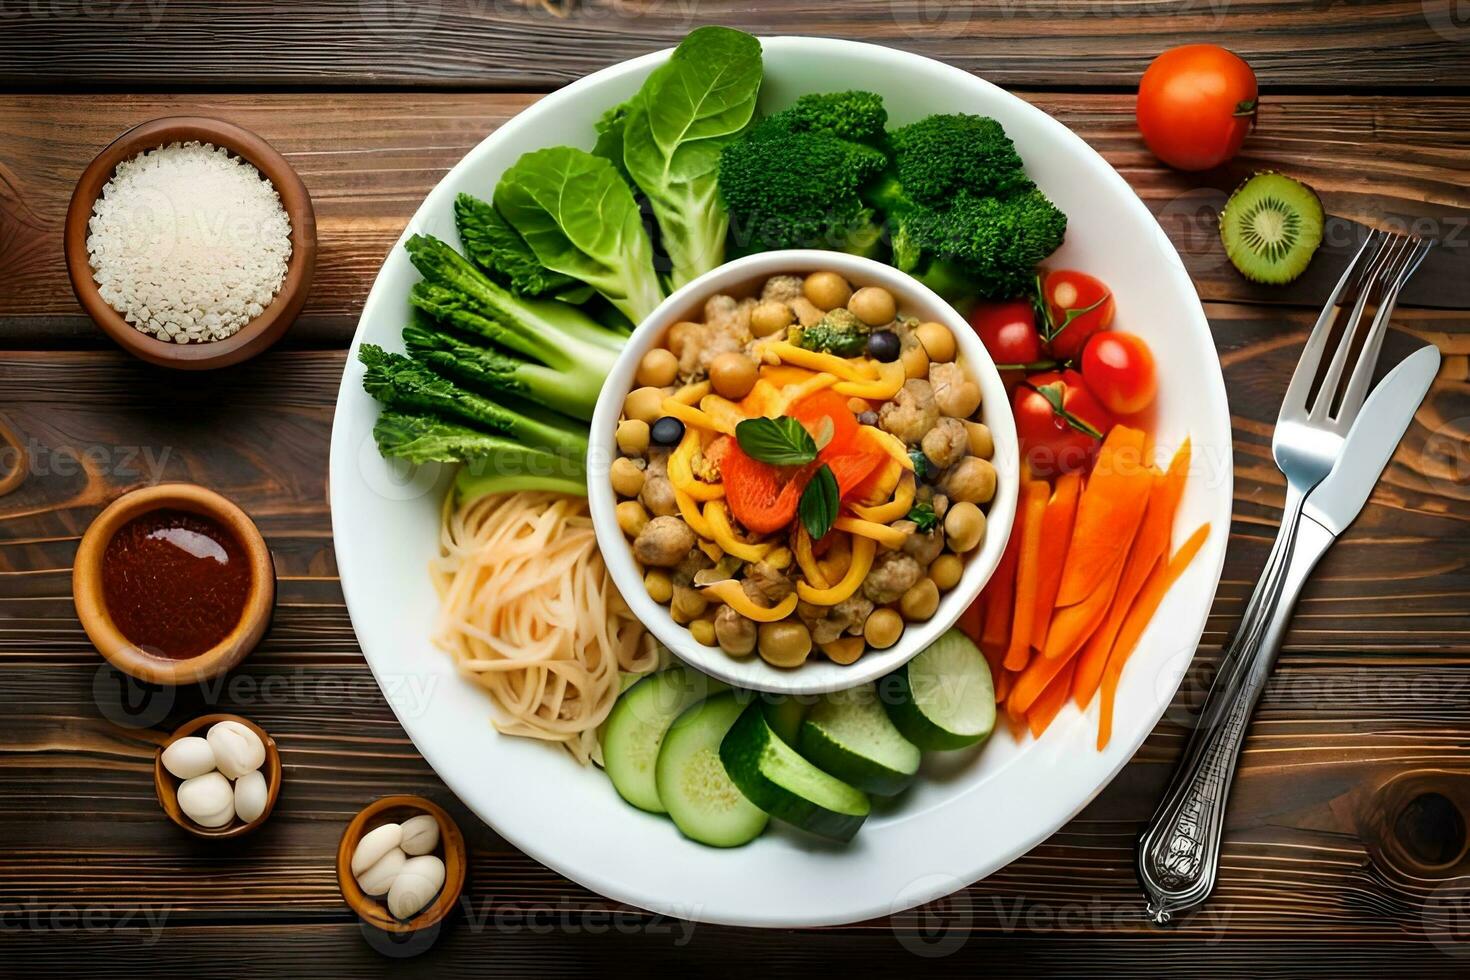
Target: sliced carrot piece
(1028, 566)
(1056, 534)
(970, 620)
(1159, 582)
(1108, 513)
(1150, 547)
(1004, 680)
(1072, 625)
(999, 596)
(1045, 709)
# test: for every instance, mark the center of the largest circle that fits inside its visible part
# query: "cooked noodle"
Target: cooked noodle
(530, 613)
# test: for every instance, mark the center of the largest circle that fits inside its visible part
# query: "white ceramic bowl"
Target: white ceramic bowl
(743, 277)
(970, 812)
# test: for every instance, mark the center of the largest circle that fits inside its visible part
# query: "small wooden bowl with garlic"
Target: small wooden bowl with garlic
(401, 864)
(218, 776)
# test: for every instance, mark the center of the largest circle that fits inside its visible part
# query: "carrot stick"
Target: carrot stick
(1046, 707)
(1056, 534)
(1028, 563)
(1150, 596)
(1004, 680)
(1108, 513)
(999, 596)
(1150, 547)
(970, 620)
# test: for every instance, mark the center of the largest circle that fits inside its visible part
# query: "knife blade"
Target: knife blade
(1370, 442)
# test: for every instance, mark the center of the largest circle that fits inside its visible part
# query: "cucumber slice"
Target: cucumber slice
(778, 780)
(635, 730)
(785, 716)
(848, 734)
(944, 697)
(692, 782)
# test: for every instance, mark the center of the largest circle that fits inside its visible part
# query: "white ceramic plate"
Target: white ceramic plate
(970, 812)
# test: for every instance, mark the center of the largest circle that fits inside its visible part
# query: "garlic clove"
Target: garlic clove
(250, 796)
(237, 750)
(188, 757)
(379, 878)
(374, 844)
(207, 800)
(418, 881)
(420, 834)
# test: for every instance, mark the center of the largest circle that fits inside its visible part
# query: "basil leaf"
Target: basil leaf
(780, 441)
(818, 506)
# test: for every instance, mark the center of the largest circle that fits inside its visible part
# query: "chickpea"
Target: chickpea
(920, 601)
(626, 477)
(883, 629)
(845, 651)
(660, 587)
(784, 644)
(945, 571)
(807, 312)
(982, 444)
(645, 404)
(703, 631)
(937, 340)
(632, 436)
(687, 605)
(826, 290)
(735, 633)
(679, 335)
(632, 517)
(732, 375)
(658, 368)
(972, 479)
(770, 317)
(873, 305)
(915, 361)
(858, 406)
(964, 526)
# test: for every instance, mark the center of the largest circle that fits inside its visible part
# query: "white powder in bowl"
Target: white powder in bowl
(188, 243)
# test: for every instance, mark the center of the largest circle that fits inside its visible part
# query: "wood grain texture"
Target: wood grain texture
(516, 44)
(368, 161)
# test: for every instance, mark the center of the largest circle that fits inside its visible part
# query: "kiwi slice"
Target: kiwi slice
(1271, 227)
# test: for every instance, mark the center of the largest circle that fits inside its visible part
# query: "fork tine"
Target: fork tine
(1294, 405)
(1357, 389)
(1379, 271)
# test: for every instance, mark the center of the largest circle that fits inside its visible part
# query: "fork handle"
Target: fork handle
(1179, 850)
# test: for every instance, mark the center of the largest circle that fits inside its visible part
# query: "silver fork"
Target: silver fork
(1179, 849)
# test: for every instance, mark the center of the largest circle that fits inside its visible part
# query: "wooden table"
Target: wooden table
(372, 101)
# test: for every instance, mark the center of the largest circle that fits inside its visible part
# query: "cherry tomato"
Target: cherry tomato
(1079, 306)
(1196, 104)
(1059, 441)
(1119, 370)
(1008, 331)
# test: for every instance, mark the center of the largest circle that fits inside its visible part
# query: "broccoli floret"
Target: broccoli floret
(979, 246)
(964, 217)
(840, 332)
(794, 180)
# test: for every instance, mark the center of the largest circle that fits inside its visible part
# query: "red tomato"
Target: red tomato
(1008, 331)
(1119, 370)
(1053, 441)
(1079, 306)
(1196, 104)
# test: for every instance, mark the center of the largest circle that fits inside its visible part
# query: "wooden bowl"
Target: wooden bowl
(166, 784)
(122, 653)
(256, 335)
(451, 850)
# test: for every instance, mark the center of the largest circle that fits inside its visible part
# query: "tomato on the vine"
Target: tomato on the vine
(1196, 103)
(1078, 306)
(1060, 423)
(1008, 331)
(1119, 369)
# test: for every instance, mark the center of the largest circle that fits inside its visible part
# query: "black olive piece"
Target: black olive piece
(667, 431)
(883, 346)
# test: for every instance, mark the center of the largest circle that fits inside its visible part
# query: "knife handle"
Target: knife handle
(1179, 850)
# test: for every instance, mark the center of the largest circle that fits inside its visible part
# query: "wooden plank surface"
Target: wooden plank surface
(369, 159)
(519, 45)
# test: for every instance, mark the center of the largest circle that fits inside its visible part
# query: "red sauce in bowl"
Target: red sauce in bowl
(175, 583)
